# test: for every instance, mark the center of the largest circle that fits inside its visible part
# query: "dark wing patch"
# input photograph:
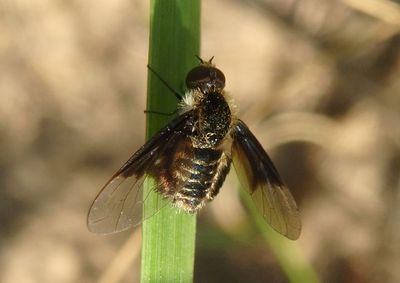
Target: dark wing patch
(119, 204)
(260, 178)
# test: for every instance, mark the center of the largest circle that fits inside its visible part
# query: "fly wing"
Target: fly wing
(260, 178)
(119, 204)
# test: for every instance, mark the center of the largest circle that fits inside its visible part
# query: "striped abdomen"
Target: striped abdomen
(201, 173)
(193, 165)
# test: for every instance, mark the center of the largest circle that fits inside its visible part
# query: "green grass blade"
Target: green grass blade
(287, 252)
(168, 242)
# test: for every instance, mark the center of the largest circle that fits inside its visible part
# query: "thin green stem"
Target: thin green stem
(169, 236)
(287, 252)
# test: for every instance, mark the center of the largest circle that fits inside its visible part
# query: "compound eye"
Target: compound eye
(201, 75)
(197, 76)
(219, 77)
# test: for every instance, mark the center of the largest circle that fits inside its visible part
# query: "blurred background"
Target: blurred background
(317, 81)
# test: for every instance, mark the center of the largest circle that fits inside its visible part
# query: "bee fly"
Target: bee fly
(189, 160)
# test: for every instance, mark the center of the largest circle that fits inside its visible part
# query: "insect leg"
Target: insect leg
(177, 94)
(161, 113)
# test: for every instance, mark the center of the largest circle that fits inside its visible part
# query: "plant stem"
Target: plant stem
(287, 252)
(168, 242)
